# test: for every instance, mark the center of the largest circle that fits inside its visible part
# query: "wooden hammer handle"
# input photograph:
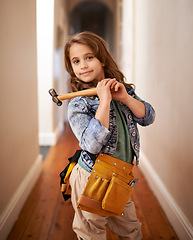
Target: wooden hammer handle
(87, 92)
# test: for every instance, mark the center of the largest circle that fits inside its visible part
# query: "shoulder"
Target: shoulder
(83, 104)
(76, 100)
(77, 103)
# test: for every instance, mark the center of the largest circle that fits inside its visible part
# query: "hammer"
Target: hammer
(58, 98)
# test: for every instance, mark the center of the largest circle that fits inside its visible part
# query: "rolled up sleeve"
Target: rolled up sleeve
(149, 111)
(92, 135)
(149, 115)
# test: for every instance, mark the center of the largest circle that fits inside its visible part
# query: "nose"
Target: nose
(83, 64)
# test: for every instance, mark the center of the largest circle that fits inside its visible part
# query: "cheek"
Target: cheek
(100, 69)
(72, 73)
(74, 70)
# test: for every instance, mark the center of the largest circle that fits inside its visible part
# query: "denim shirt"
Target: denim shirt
(94, 137)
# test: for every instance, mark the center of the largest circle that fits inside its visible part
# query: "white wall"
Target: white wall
(163, 72)
(51, 32)
(45, 55)
(20, 162)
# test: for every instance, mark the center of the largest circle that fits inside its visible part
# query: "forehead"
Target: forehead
(78, 50)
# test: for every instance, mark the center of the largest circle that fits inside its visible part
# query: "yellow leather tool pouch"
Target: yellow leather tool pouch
(107, 190)
(117, 196)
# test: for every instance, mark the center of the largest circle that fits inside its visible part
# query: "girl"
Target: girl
(105, 123)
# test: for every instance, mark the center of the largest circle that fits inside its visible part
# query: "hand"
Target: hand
(119, 92)
(104, 90)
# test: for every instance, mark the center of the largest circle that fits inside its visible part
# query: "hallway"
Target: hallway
(45, 216)
(152, 42)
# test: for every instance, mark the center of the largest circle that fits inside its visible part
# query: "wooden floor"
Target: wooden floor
(45, 216)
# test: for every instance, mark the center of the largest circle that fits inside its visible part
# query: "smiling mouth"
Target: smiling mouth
(85, 73)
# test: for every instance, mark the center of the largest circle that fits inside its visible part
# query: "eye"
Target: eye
(75, 61)
(89, 57)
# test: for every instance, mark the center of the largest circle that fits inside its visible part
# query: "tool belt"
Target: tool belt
(108, 188)
(65, 174)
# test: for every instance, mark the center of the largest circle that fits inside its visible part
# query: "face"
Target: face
(85, 65)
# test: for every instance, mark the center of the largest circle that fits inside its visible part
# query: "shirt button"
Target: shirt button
(136, 147)
(130, 117)
(133, 134)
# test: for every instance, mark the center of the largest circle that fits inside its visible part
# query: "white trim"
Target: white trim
(50, 138)
(11, 212)
(178, 220)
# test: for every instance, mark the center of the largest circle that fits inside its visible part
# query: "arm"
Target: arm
(104, 92)
(91, 134)
(137, 107)
(120, 94)
(143, 112)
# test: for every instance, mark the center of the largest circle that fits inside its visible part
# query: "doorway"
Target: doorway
(95, 17)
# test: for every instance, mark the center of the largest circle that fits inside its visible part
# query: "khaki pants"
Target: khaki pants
(89, 226)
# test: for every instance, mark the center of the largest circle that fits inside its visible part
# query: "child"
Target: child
(105, 123)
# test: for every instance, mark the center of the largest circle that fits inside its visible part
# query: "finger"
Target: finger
(111, 82)
(113, 85)
(117, 86)
(104, 82)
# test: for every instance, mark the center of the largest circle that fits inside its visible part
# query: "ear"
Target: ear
(103, 65)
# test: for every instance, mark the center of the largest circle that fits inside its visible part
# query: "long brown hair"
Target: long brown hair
(99, 48)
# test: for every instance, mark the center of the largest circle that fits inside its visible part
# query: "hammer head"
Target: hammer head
(54, 95)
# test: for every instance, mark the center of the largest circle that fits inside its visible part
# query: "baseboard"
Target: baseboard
(50, 138)
(178, 220)
(11, 213)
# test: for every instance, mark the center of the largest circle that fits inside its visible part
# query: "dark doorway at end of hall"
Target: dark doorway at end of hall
(95, 17)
